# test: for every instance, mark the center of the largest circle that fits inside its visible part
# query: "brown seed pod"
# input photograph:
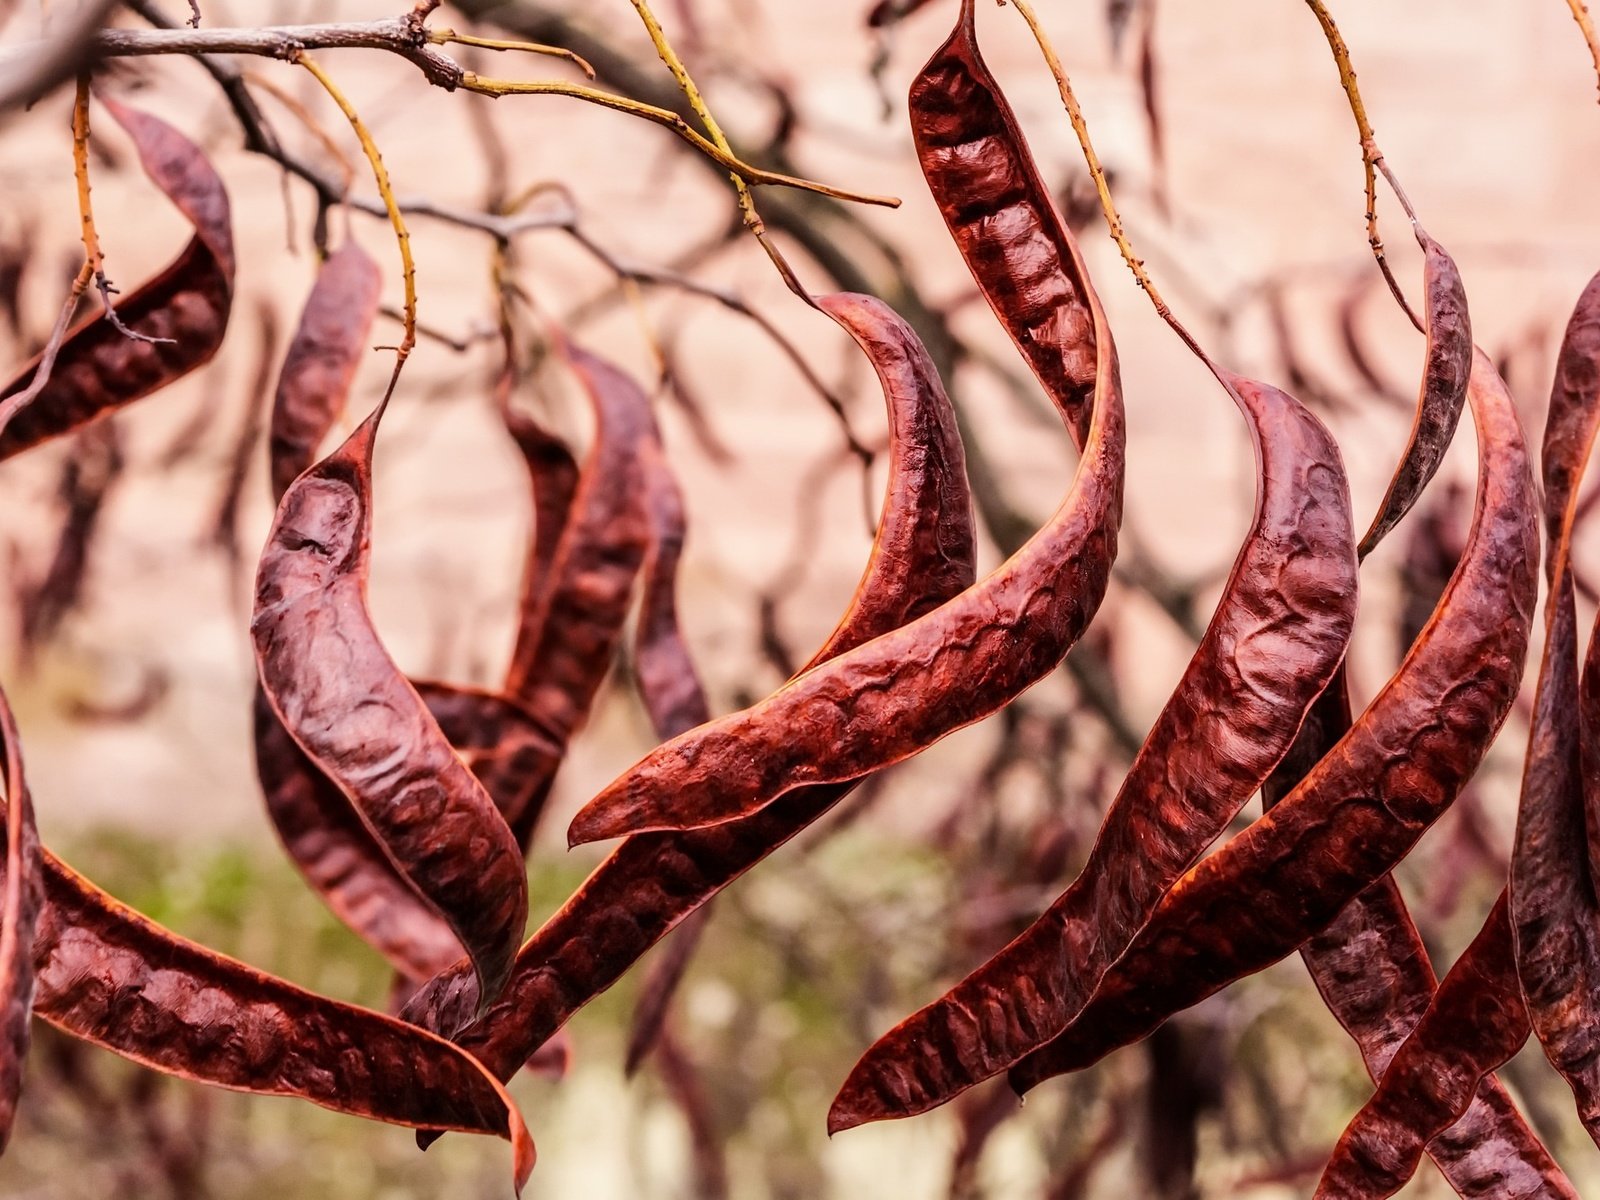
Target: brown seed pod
(99, 368)
(1278, 634)
(1443, 393)
(322, 359)
(1554, 912)
(111, 977)
(338, 855)
(352, 712)
(898, 694)
(1366, 803)
(923, 555)
(1475, 1022)
(571, 619)
(21, 897)
(1374, 975)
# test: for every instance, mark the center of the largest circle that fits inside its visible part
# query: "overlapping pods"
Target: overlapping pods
(1363, 806)
(921, 558)
(339, 694)
(99, 369)
(894, 696)
(1278, 634)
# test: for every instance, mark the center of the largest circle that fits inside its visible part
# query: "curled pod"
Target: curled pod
(340, 858)
(572, 612)
(1373, 973)
(99, 369)
(923, 555)
(1365, 804)
(894, 696)
(1555, 917)
(1278, 634)
(1443, 394)
(1475, 1022)
(341, 697)
(321, 362)
(21, 898)
(109, 976)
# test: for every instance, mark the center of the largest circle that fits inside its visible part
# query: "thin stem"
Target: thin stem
(1580, 14)
(1102, 188)
(1372, 159)
(691, 93)
(446, 37)
(396, 218)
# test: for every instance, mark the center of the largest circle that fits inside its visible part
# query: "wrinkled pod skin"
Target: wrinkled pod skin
(894, 696)
(340, 696)
(1373, 972)
(21, 898)
(923, 555)
(1555, 917)
(99, 369)
(1279, 632)
(1371, 797)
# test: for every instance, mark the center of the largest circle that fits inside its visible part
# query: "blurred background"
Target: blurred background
(129, 549)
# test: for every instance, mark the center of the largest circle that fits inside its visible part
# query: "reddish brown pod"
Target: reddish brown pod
(1443, 394)
(1364, 805)
(99, 368)
(352, 712)
(896, 695)
(1373, 972)
(21, 896)
(1279, 632)
(111, 977)
(340, 858)
(923, 555)
(322, 360)
(1554, 912)
(573, 609)
(1475, 1022)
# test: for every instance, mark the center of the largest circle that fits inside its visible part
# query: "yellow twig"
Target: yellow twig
(381, 176)
(307, 118)
(1372, 159)
(446, 37)
(691, 93)
(1580, 14)
(1102, 188)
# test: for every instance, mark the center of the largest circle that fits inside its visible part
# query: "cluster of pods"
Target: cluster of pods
(409, 805)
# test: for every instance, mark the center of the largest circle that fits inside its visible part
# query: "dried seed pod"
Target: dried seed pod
(100, 369)
(898, 694)
(923, 555)
(21, 897)
(1443, 393)
(1366, 803)
(322, 359)
(1374, 975)
(1279, 632)
(338, 855)
(111, 977)
(1475, 1022)
(1554, 912)
(570, 622)
(346, 704)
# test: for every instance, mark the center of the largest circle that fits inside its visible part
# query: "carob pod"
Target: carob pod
(894, 696)
(1555, 915)
(341, 697)
(923, 555)
(570, 622)
(1361, 808)
(21, 897)
(343, 862)
(1278, 634)
(99, 368)
(321, 361)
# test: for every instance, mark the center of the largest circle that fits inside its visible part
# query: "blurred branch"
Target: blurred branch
(26, 76)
